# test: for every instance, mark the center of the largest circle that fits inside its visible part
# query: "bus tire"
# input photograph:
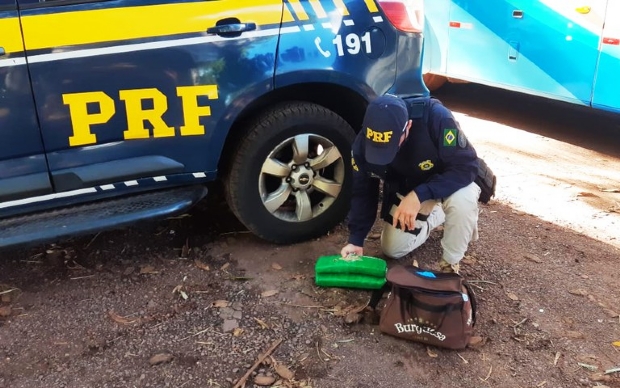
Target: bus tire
(434, 81)
(290, 177)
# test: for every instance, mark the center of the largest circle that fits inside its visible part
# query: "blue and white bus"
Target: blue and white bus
(561, 49)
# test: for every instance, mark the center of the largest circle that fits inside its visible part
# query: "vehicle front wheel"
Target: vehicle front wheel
(290, 179)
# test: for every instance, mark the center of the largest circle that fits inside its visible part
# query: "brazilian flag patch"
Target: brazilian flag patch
(449, 137)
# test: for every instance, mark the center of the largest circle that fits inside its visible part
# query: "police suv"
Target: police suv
(116, 111)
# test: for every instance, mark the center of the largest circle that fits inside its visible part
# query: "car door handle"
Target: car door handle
(517, 14)
(235, 28)
(2, 52)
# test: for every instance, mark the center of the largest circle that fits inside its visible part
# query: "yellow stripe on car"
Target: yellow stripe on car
(94, 26)
(342, 7)
(11, 35)
(298, 9)
(372, 6)
(318, 8)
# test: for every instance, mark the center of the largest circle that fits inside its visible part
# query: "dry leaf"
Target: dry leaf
(160, 358)
(5, 311)
(118, 319)
(185, 249)
(261, 323)
(573, 334)
(600, 377)
(237, 332)
(616, 344)
(225, 266)
(284, 372)
(352, 318)
(340, 311)
(269, 293)
(148, 270)
(468, 260)
(578, 291)
(533, 258)
(586, 194)
(263, 380)
(220, 303)
(611, 313)
(431, 353)
(202, 265)
(276, 266)
(476, 341)
(610, 190)
(512, 296)
(183, 295)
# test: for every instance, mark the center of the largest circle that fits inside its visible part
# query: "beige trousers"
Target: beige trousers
(458, 213)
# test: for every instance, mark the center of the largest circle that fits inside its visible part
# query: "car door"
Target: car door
(127, 89)
(555, 46)
(23, 169)
(608, 77)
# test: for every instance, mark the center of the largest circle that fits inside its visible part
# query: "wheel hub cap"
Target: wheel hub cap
(302, 177)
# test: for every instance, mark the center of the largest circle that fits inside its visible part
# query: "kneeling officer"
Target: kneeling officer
(428, 168)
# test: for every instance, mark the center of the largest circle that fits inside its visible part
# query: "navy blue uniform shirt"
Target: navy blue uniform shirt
(435, 161)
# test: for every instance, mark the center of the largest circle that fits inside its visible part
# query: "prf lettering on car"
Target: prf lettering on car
(82, 121)
(114, 112)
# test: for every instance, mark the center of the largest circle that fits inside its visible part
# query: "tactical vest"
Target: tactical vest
(416, 161)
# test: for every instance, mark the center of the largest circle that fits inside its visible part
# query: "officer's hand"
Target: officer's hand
(406, 212)
(352, 249)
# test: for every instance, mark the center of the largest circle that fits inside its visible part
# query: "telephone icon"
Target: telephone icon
(317, 43)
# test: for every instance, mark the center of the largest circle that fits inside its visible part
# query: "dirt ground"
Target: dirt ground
(193, 301)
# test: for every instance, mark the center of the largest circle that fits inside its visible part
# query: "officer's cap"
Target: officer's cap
(384, 122)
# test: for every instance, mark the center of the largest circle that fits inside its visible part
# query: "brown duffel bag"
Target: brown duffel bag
(425, 306)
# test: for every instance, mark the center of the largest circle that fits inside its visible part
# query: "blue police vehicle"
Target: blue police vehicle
(116, 111)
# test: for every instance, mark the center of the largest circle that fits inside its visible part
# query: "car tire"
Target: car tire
(290, 177)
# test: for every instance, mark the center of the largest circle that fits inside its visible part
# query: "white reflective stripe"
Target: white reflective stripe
(89, 190)
(308, 27)
(154, 45)
(288, 30)
(348, 22)
(12, 62)
(378, 19)
(327, 25)
(47, 197)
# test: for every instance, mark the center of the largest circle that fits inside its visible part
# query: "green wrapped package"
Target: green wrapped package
(350, 272)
